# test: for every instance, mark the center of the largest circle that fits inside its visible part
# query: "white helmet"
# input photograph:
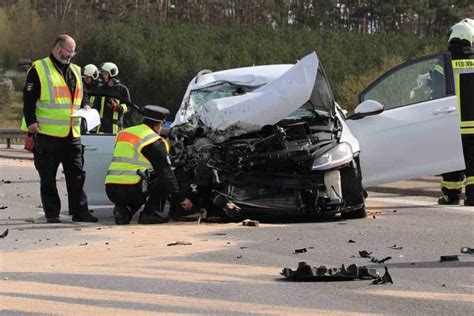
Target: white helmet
(110, 68)
(463, 30)
(91, 70)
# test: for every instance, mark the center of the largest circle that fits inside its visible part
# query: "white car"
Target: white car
(272, 140)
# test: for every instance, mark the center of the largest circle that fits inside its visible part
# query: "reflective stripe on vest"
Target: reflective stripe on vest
(127, 157)
(464, 69)
(56, 104)
(115, 117)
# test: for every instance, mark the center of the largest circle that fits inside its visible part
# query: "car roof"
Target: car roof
(249, 76)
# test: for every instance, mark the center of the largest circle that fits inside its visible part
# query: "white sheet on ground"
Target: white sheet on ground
(266, 105)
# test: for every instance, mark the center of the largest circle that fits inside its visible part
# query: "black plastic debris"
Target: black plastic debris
(365, 254)
(467, 250)
(304, 272)
(2, 207)
(448, 258)
(5, 234)
(351, 241)
(395, 247)
(6, 181)
(302, 250)
(374, 260)
(239, 257)
(219, 234)
(179, 243)
(84, 244)
(250, 223)
(386, 278)
(394, 211)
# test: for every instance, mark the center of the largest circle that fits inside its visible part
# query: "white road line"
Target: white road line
(398, 200)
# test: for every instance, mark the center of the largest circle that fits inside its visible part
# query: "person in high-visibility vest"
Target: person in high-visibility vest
(111, 110)
(140, 172)
(461, 41)
(53, 91)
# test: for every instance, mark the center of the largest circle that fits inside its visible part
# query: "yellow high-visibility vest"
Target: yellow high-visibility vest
(56, 104)
(128, 157)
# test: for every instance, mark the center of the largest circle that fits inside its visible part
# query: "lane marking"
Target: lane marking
(398, 200)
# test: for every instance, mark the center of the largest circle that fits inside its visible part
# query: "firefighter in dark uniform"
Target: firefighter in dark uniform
(140, 172)
(91, 81)
(462, 55)
(111, 110)
(53, 91)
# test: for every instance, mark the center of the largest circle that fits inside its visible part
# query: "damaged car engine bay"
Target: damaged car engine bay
(269, 172)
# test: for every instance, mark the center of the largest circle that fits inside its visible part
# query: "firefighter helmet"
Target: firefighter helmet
(91, 70)
(463, 31)
(110, 68)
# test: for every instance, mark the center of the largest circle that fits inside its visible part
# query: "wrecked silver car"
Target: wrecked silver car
(267, 141)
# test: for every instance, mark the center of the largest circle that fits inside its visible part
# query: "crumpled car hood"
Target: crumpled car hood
(267, 105)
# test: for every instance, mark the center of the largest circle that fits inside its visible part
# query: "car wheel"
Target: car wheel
(358, 213)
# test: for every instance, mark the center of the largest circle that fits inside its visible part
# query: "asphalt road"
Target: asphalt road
(83, 269)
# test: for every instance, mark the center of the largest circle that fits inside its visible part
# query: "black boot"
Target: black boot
(122, 214)
(85, 217)
(151, 218)
(446, 200)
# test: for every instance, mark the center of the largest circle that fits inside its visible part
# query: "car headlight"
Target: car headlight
(337, 156)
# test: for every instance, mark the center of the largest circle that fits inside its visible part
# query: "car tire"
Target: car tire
(358, 213)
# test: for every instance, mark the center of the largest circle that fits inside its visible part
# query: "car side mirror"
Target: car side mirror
(367, 108)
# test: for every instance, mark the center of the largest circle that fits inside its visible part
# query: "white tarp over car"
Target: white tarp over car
(266, 105)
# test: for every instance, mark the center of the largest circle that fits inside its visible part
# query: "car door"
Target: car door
(417, 134)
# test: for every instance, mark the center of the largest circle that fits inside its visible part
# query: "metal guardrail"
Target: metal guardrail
(12, 134)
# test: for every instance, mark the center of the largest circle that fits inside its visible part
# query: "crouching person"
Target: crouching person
(140, 172)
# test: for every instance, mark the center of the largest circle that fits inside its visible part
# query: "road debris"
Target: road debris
(374, 260)
(305, 272)
(467, 250)
(395, 247)
(30, 220)
(386, 278)
(448, 258)
(5, 234)
(219, 234)
(2, 207)
(84, 244)
(365, 254)
(6, 181)
(239, 257)
(179, 243)
(250, 223)
(351, 241)
(302, 250)
(394, 211)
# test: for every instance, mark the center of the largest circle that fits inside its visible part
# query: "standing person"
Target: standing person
(91, 81)
(461, 42)
(140, 172)
(53, 91)
(111, 110)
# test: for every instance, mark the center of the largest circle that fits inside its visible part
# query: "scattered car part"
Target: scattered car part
(395, 247)
(351, 241)
(5, 234)
(305, 272)
(386, 278)
(179, 243)
(2, 207)
(467, 250)
(374, 260)
(365, 254)
(250, 223)
(449, 258)
(302, 250)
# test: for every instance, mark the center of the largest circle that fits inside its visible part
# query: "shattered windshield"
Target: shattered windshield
(198, 98)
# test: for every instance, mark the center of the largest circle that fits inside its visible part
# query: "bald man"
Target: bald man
(53, 91)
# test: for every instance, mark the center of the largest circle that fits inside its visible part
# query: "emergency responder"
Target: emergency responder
(462, 54)
(53, 91)
(91, 80)
(140, 172)
(111, 110)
